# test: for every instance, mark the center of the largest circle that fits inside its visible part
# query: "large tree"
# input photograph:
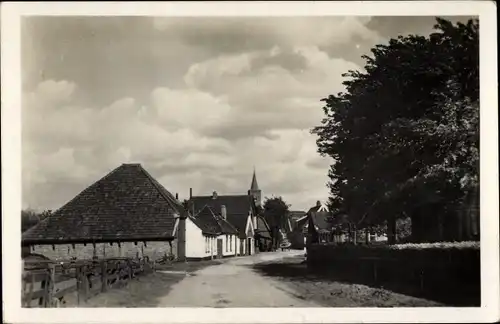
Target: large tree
(404, 134)
(276, 212)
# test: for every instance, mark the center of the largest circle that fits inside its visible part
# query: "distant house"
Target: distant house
(263, 234)
(209, 235)
(126, 213)
(295, 215)
(298, 234)
(319, 227)
(240, 213)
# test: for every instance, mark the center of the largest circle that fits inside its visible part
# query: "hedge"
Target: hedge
(429, 269)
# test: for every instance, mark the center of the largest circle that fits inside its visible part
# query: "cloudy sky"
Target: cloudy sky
(198, 101)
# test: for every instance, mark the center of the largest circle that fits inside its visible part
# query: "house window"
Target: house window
(231, 243)
(227, 241)
(207, 245)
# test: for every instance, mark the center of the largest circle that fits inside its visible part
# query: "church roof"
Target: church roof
(127, 204)
(254, 186)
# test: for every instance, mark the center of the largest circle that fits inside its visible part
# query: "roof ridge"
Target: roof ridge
(218, 196)
(73, 199)
(171, 200)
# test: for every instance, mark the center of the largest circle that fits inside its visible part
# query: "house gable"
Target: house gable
(249, 228)
(238, 208)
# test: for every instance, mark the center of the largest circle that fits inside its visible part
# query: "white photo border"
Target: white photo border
(11, 163)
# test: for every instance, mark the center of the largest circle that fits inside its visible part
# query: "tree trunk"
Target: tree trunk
(354, 236)
(460, 225)
(391, 230)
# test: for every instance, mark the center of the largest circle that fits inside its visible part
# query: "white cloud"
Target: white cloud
(253, 106)
(258, 32)
(269, 96)
(66, 146)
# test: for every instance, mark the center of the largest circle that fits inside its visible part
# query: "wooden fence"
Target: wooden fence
(47, 283)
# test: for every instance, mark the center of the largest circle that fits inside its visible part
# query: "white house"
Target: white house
(239, 214)
(210, 236)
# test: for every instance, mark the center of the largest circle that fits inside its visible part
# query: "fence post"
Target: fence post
(78, 283)
(104, 276)
(25, 286)
(51, 284)
(42, 301)
(130, 270)
(85, 282)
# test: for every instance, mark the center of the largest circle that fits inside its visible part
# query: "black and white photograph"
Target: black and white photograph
(296, 161)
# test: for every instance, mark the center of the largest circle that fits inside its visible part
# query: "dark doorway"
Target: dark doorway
(219, 249)
(249, 246)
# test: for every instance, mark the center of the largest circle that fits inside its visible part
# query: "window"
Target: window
(227, 241)
(231, 243)
(207, 244)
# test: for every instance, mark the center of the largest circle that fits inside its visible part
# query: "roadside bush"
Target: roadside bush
(439, 270)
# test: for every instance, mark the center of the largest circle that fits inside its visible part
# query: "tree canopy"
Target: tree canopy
(405, 133)
(276, 212)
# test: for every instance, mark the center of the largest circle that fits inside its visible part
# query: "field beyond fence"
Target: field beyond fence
(445, 272)
(47, 283)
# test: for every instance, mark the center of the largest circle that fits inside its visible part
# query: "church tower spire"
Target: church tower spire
(255, 191)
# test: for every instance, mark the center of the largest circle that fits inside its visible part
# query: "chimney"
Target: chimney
(249, 192)
(318, 203)
(214, 195)
(176, 196)
(223, 211)
(190, 193)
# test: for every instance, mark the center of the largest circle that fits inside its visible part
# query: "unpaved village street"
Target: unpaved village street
(233, 284)
(238, 282)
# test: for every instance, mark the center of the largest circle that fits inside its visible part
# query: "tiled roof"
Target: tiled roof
(319, 216)
(263, 227)
(205, 220)
(125, 205)
(296, 214)
(237, 208)
(226, 227)
(208, 221)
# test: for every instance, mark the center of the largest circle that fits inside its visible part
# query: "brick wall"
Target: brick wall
(153, 250)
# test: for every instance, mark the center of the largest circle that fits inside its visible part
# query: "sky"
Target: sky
(199, 102)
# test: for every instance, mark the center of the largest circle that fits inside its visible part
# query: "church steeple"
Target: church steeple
(255, 191)
(254, 186)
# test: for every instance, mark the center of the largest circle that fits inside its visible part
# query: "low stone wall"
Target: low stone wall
(154, 250)
(447, 274)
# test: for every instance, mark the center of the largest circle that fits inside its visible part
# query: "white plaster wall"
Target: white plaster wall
(245, 245)
(154, 250)
(195, 241)
(230, 240)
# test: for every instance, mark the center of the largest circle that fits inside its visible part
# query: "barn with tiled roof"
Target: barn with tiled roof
(125, 213)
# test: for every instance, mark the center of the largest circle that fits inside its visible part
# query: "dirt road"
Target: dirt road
(234, 284)
(272, 279)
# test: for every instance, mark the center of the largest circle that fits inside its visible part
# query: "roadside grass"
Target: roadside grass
(333, 292)
(145, 291)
